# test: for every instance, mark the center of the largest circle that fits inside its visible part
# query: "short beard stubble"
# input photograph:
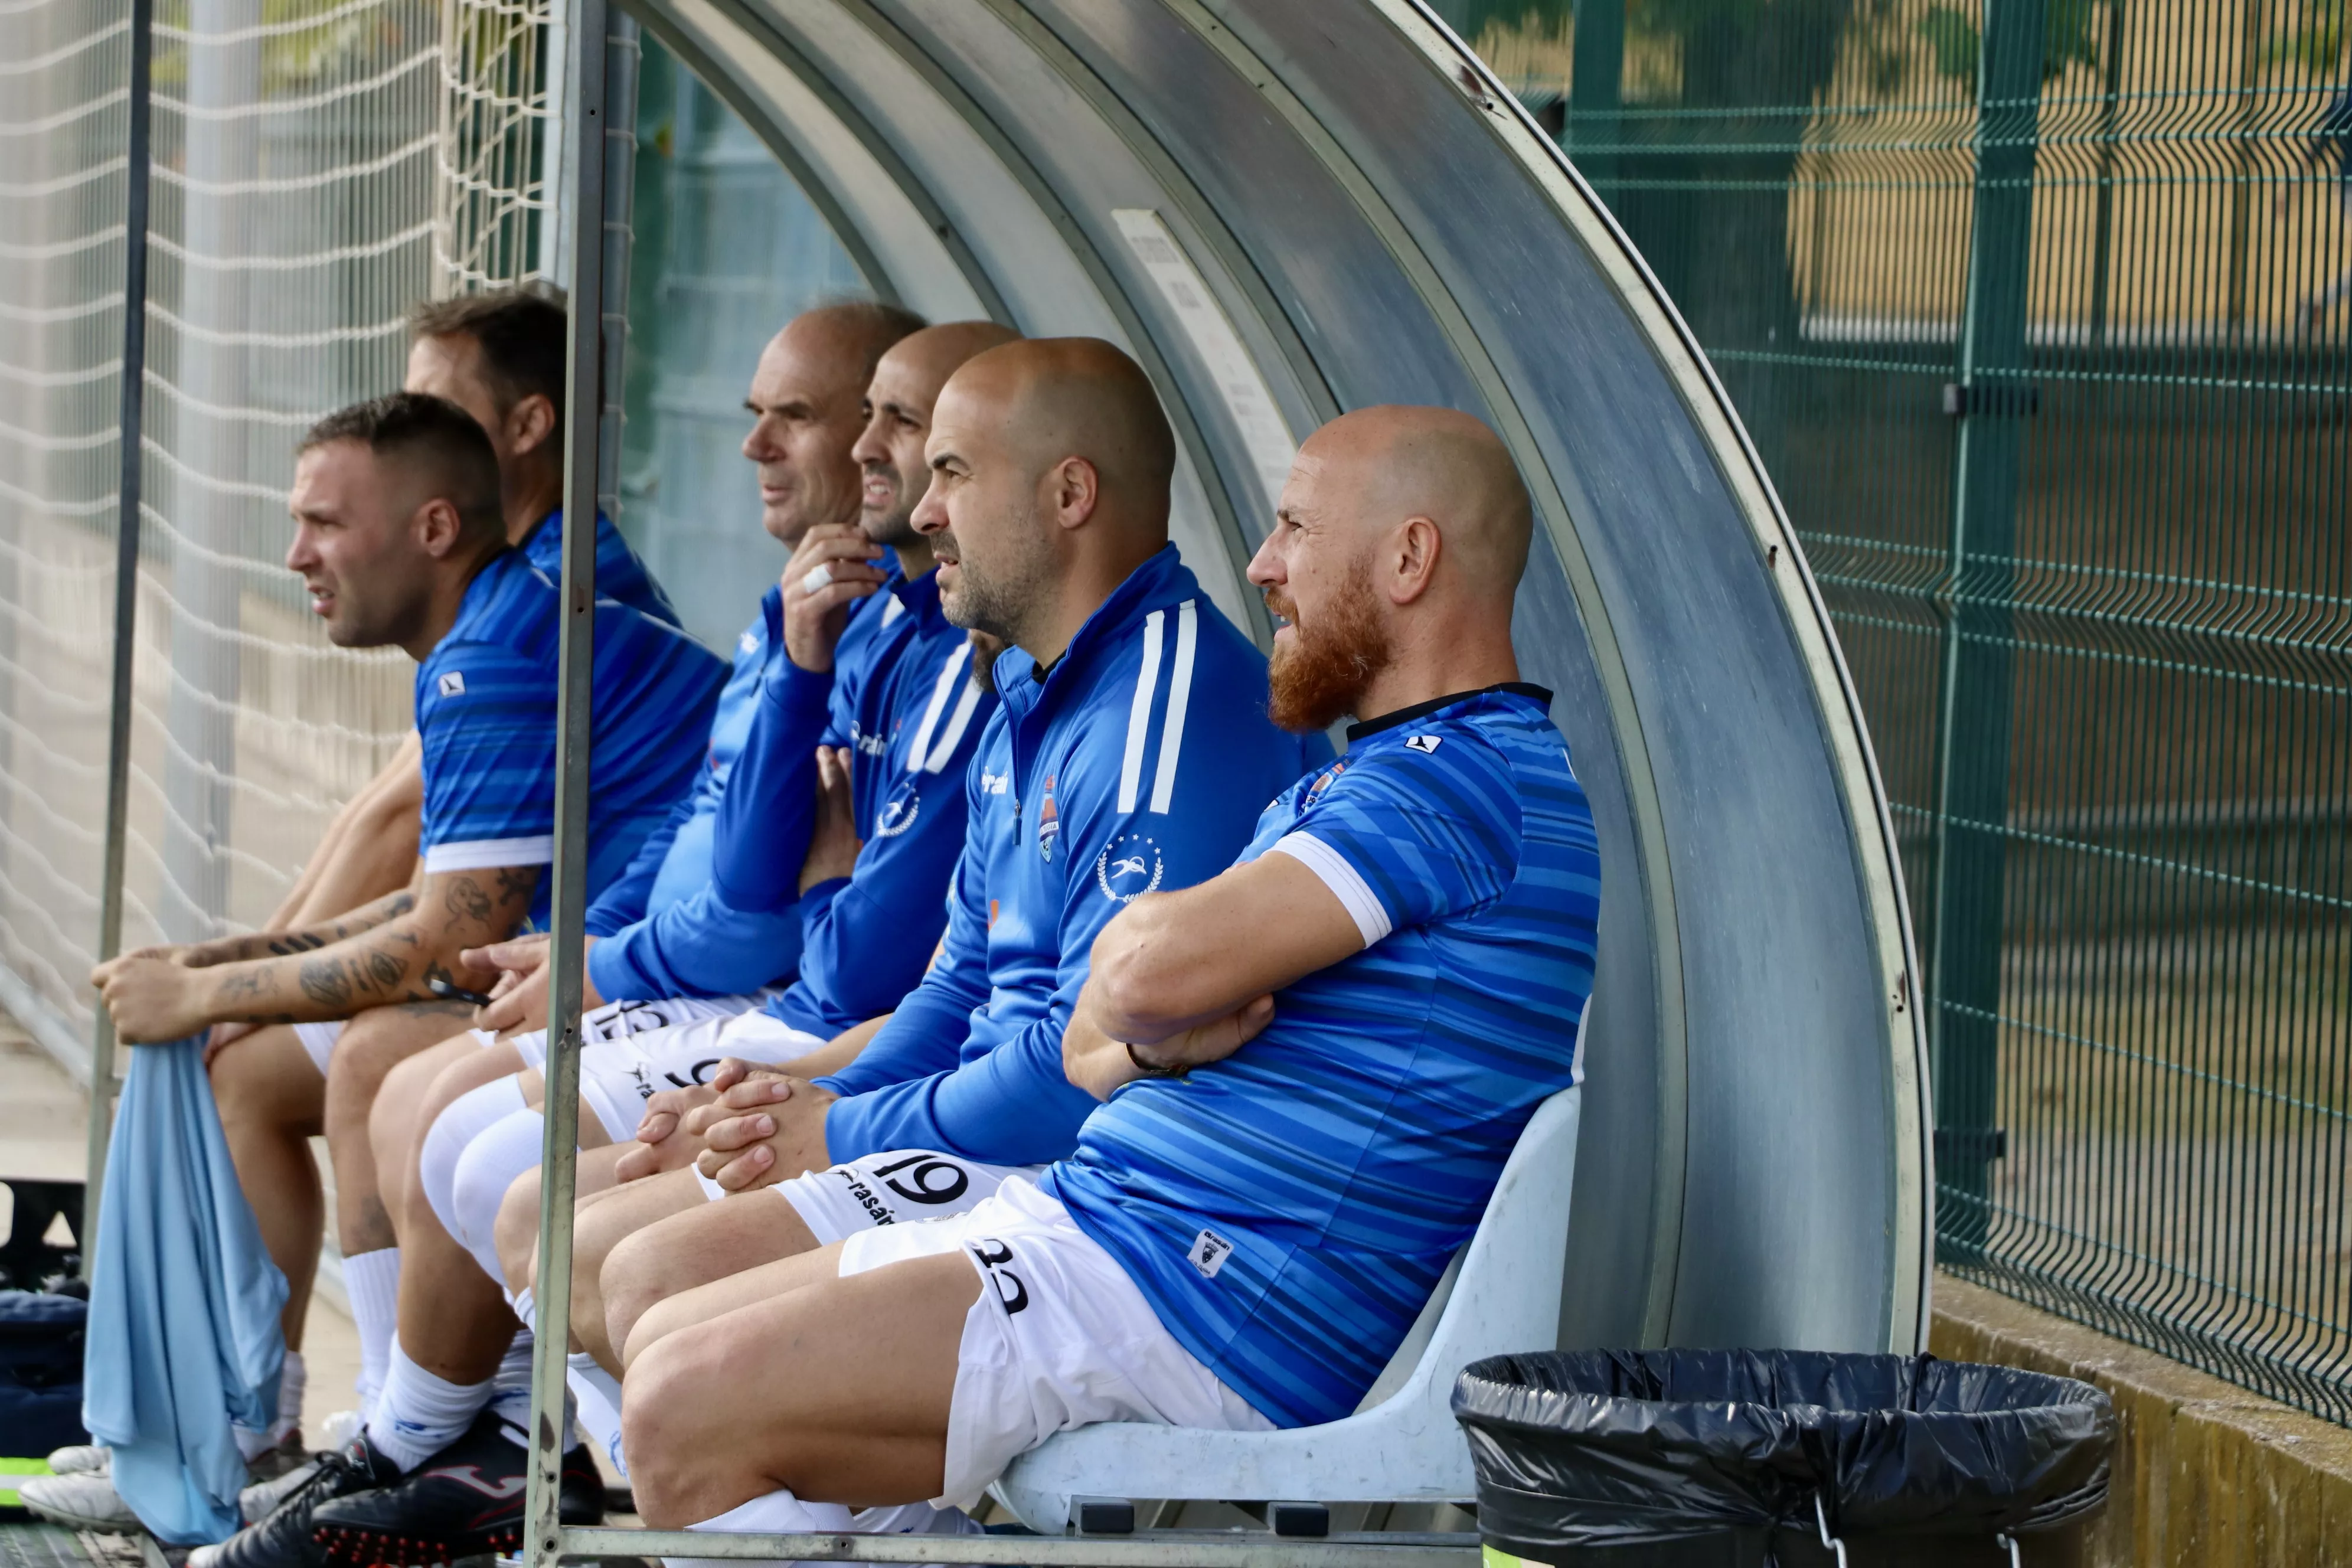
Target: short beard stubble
(1319, 677)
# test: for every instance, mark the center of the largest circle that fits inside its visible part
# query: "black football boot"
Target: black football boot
(464, 1502)
(282, 1538)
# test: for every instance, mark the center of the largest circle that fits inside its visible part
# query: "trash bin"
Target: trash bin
(1736, 1452)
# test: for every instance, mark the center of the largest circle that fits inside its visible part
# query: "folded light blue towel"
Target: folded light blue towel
(184, 1335)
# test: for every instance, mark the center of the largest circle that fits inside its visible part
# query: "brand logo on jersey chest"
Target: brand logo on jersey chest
(452, 683)
(1424, 744)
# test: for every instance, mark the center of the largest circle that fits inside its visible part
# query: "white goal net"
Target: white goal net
(318, 166)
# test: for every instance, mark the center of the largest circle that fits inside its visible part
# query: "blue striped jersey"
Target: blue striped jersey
(486, 712)
(1289, 1210)
(619, 573)
(1138, 762)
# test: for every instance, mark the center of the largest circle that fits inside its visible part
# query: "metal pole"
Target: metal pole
(1991, 400)
(584, 133)
(126, 609)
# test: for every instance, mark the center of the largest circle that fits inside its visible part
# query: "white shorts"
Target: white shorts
(319, 1040)
(619, 1020)
(619, 1075)
(903, 1186)
(1059, 1338)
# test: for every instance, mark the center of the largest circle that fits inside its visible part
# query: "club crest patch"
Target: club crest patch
(1323, 782)
(1049, 824)
(1129, 867)
(898, 813)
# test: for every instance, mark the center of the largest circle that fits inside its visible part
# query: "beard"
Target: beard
(1000, 598)
(1319, 677)
(896, 528)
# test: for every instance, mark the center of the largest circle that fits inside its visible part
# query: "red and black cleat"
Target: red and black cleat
(285, 1539)
(464, 1502)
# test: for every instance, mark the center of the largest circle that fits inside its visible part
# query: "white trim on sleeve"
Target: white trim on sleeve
(1347, 885)
(481, 854)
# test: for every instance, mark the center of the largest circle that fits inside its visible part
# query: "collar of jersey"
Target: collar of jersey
(1160, 581)
(1423, 710)
(483, 586)
(920, 595)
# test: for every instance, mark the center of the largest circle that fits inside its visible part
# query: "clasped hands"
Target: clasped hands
(750, 1127)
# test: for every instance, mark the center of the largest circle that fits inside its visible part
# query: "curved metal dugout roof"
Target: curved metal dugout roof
(1285, 208)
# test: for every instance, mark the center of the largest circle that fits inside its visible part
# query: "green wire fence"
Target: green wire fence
(2038, 311)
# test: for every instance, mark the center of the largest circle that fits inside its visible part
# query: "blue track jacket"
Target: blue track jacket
(664, 929)
(907, 703)
(1140, 763)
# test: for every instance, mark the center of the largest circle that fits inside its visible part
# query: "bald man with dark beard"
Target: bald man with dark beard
(1321, 1059)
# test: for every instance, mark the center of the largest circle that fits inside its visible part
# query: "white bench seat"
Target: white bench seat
(1401, 1445)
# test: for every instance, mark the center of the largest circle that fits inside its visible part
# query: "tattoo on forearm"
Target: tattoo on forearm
(383, 969)
(516, 883)
(239, 988)
(324, 982)
(465, 901)
(299, 942)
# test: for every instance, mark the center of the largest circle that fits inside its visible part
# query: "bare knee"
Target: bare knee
(516, 1232)
(666, 1432)
(268, 1080)
(631, 1284)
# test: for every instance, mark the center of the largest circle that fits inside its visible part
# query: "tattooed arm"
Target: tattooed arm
(389, 960)
(323, 933)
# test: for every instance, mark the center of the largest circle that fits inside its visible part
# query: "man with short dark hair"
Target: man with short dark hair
(400, 539)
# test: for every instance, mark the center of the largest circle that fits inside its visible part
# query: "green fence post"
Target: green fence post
(1596, 75)
(1990, 400)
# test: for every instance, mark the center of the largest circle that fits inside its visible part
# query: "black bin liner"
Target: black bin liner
(1605, 1449)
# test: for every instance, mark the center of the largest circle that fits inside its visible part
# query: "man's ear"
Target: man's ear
(1412, 550)
(439, 528)
(529, 424)
(1072, 489)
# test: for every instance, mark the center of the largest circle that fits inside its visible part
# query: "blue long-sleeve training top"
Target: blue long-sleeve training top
(911, 708)
(1086, 794)
(662, 929)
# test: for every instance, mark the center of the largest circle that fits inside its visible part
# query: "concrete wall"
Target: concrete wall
(2206, 1475)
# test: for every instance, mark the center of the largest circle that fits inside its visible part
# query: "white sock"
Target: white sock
(419, 1414)
(596, 1394)
(293, 1382)
(252, 1442)
(771, 1513)
(371, 1281)
(510, 1385)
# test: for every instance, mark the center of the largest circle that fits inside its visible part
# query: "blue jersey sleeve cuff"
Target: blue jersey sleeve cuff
(1346, 884)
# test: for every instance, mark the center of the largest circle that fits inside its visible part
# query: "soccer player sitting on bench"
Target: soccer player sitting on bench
(1314, 1067)
(400, 539)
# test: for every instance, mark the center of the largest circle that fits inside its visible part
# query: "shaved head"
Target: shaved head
(805, 399)
(1051, 460)
(1064, 397)
(1442, 463)
(900, 398)
(1395, 556)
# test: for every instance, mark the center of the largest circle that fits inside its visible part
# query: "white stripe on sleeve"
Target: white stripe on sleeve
(958, 722)
(1180, 696)
(921, 746)
(1139, 712)
(481, 854)
(1347, 885)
